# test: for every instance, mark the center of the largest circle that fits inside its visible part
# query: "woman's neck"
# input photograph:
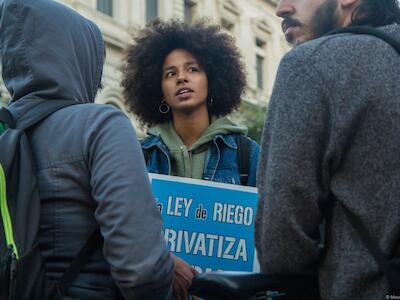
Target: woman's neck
(190, 127)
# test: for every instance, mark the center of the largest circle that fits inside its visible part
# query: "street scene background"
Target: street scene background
(253, 23)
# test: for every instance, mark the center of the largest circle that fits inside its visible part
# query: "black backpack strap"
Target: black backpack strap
(146, 154)
(391, 274)
(6, 117)
(92, 244)
(370, 31)
(243, 157)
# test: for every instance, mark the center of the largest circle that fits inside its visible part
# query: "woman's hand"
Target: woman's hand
(183, 275)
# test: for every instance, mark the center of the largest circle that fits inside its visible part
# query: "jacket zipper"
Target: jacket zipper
(13, 274)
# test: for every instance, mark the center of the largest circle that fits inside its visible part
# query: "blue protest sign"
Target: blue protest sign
(210, 225)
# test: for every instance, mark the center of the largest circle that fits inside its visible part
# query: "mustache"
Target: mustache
(289, 22)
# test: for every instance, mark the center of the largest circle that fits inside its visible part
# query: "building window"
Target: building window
(151, 10)
(228, 25)
(260, 71)
(105, 6)
(189, 11)
(260, 43)
(260, 62)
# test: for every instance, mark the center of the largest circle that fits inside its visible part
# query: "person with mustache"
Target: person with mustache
(330, 150)
(181, 81)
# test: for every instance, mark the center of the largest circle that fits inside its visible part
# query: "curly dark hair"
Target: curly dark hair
(215, 51)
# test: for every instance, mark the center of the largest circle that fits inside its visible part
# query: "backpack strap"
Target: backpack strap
(146, 154)
(370, 31)
(79, 261)
(243, 157)
(6, 117)
(35, 115)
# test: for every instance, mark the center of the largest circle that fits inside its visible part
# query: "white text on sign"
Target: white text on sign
(233, 214)
(178, 206)
(206, 244)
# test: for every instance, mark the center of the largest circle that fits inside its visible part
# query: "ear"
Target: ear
(345, 11)
(345, 4)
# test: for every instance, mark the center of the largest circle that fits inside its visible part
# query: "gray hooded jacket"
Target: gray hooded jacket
(332, 134)
(89, 164)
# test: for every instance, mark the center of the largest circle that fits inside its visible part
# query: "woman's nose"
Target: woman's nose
(181, 77)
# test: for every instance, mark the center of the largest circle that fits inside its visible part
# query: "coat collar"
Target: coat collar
(155, 141)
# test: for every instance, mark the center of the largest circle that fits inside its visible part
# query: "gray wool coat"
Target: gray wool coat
(332, 128)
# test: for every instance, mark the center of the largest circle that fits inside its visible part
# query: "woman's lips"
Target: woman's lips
(184, 96)
(183, 90)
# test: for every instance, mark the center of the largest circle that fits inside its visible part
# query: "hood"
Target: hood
(393, 30)
(190, 162)
(218, 126)
(49, 52)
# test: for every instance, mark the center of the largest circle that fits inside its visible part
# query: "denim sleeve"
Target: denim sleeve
(126, 210)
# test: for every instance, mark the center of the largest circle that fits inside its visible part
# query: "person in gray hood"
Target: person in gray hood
(88, 161)
(331, 148)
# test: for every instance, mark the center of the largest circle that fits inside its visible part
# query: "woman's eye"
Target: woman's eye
(193, 69)
(169, 74)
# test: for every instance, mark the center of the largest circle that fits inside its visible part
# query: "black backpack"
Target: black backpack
(22, 270)
(386, 266)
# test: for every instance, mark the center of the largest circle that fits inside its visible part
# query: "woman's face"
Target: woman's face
(184, 82)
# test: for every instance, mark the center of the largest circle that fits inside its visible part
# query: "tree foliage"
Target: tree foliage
(252, 116)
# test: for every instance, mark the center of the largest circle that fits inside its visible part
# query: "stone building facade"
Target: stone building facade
(252, 22)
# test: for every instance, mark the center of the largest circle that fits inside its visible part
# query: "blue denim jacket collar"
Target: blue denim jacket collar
(151, 141)
(212, 160)
(220, 164)
(155, 141)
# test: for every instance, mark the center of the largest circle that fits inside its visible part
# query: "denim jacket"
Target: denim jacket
(221, 161)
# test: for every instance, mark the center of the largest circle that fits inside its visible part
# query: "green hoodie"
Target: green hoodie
(189, 162)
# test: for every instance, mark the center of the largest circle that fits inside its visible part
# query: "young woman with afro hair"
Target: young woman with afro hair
(181, 81)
